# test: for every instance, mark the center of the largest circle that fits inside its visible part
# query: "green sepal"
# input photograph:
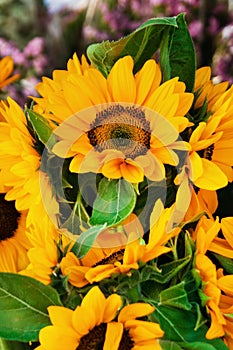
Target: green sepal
(42, 128)
(23, 306)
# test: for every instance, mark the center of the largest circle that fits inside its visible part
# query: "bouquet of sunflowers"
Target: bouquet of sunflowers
(109, 238)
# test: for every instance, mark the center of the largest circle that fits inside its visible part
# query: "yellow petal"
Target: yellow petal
(134, 310)
(113, 336)
(121, 80)
(60, 316)
(58, 338)
(112, 305)
(212, 177)
(131, 171)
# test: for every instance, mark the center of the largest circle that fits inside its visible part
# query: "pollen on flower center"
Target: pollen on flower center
(9, 217)
(121, 128)
(94, 339)
(111, 259)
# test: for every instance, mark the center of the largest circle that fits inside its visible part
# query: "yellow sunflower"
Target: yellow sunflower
(6, 68)
(124, 126)
(206, 89)
(204, 234)
(93, 325)
(13, 240)
(99, 264)
(19, 164)
(44, 255)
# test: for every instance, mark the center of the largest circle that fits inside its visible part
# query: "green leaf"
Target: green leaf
(42, 128)
(179, 327)
(177, 54)
(176, 296)
(13, 345)
(226, 263)
(23, 306)
(169, 345)
(115, 201)
(86, 240)
(198, 346)
(140, 44)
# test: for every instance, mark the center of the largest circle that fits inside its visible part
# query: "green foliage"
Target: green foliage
(23, 306)
(115, 201)
(140, 44)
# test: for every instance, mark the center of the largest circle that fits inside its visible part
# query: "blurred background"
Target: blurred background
(41, 35)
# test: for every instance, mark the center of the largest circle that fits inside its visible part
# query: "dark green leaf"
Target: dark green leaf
(86, 240)
(42, 128)
(176, 296)
(140, 44)
(115, 201)
(13, 345)
(226, 263)
(23, 306)
(177, 54)
(169, 345)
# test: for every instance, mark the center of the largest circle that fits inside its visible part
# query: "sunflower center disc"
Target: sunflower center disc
(94, 339)
(9, 217)
(121, 128)
(126, 342)
(111, 259)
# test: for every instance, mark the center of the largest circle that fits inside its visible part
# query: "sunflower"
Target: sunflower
(13, 240)
(99, 264)
(206, 89)
(45, 253)
(93, 325)
(124, 126)
(20, 163)
(6, 68)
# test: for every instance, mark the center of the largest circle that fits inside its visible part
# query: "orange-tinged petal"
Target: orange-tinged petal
(225, 283)
(216, 329)
(121, 80)
(100, 272)
(113, 336)
(112, 168)
(76, 163)
(135, 310)
(131, 171)
(227, 229)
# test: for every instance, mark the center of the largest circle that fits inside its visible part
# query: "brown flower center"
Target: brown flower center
(94, 340)
(121, 128)
(126, 341)
(111, 259)
(9, 217)
(207, 152)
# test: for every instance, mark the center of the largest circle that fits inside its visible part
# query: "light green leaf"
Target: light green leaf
(115, 201)
(86, 240)
(42, 128)
(23, 306)
(140, 44)
(176, 296)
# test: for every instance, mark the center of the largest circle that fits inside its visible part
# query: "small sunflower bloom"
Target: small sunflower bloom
(207, 89)
(94, 324)
(14, 243)
(6, 69)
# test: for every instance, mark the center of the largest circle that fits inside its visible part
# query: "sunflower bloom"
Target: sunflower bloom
(6, 68)
(93, 324)
(13, 240)
(204, 234)
(124, 126)
(20, 162)
(206, 88)
(99, 264)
